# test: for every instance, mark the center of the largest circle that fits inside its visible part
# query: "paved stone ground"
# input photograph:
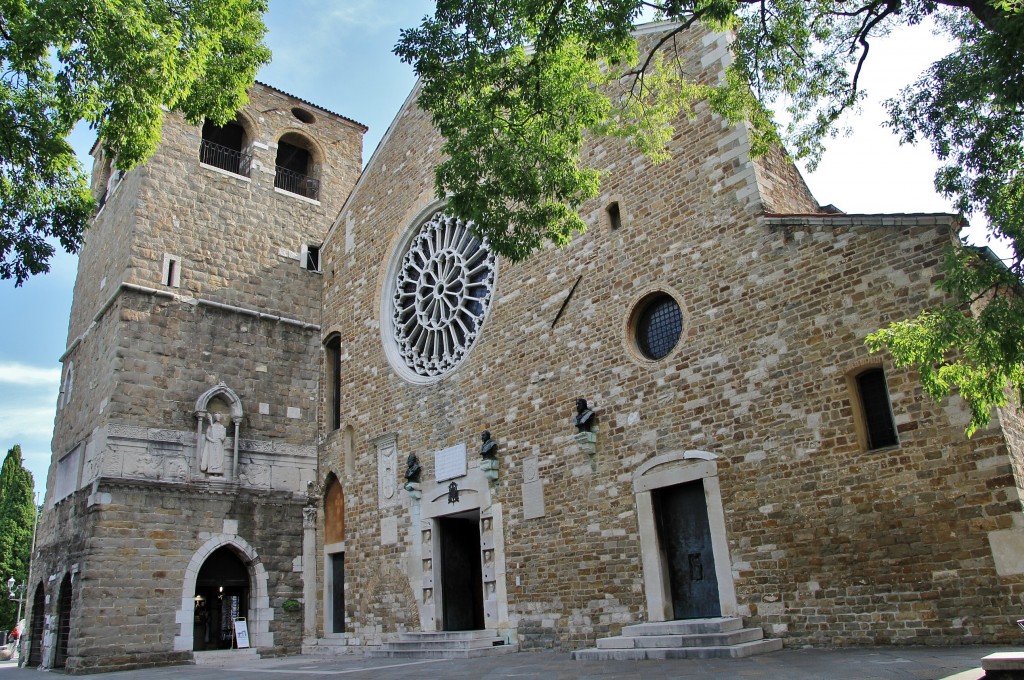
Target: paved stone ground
(916, 663)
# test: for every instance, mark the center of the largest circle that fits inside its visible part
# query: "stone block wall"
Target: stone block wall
(134, 545)
(829, 544)
(244, 313)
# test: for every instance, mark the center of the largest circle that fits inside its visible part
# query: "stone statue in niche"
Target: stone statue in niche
(488, 447)
(584, 418)
(211, 461)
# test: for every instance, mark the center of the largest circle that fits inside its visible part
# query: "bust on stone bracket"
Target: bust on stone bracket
(584, 420)
(488, 456)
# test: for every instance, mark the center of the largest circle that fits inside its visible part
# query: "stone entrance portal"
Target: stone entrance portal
(685, 538)
(208, 570)
(459, 556)
(683, 545)
(462, 605)
(222, 595)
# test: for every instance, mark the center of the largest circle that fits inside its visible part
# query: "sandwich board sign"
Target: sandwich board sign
(242, 632)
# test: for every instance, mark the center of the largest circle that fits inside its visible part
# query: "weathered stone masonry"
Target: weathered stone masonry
(197, 335)
(131, 512)
(828, 543)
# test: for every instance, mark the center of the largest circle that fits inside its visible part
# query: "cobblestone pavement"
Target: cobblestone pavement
(917, 663)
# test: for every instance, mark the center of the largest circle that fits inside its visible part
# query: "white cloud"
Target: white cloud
(29, 421)
(31, 376)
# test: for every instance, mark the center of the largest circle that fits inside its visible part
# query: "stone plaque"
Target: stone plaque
(450, 463)
(533, 499)
(388, 530)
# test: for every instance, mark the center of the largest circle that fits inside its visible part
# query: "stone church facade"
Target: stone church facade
(308, 397)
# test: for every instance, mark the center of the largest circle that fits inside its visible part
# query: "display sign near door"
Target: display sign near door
(241, 633)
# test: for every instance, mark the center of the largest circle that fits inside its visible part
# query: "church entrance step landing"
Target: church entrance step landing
(723, 637)
(225, 657)
(331, 645)
(445, 645)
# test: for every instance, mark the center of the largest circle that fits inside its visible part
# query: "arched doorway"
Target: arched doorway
(334, 547)
(221, 596)
(35, 628)
(60, 659)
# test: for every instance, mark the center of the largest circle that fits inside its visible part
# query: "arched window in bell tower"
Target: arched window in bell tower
(225, 147)
(296, 166)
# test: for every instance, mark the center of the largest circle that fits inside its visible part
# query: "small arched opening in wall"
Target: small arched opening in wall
(297, 166)
(227, 147)
(200, 578)
(873, 419)
(334, 555)
(332, 382)
(683, 545)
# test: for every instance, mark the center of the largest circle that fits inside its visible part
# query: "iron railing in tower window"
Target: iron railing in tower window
(225, 158)
(297, 183)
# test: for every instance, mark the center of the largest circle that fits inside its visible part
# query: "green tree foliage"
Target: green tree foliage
(17, 517)
(118, 65)
(514, 120)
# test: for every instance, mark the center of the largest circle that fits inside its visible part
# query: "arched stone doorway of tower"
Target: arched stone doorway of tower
(64, 600)
(35, 628)
(229, 562)
(334, 556)
(222, 596)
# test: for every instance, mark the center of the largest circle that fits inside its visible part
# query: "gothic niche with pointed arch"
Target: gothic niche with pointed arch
(216, 456)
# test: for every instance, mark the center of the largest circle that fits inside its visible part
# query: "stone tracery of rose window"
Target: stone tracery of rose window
(442, 294)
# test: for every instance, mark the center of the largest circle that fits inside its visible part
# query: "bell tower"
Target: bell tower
(186, 430)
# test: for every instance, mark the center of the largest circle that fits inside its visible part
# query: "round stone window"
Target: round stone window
(657, 325)
(441, 292)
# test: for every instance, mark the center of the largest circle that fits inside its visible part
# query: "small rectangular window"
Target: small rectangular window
(876, 409)
(313, 258)
(614, 217)
(171, 275)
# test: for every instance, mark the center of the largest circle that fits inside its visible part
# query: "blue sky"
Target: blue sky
(338, 55)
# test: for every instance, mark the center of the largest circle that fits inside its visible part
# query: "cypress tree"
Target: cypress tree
(17, 516)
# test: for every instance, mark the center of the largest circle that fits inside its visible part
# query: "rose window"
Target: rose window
(442, 294)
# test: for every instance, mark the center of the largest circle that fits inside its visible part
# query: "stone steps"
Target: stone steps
(723, 637)
(445, 645)
(1004, 665)
(225, 657)
(331, 645)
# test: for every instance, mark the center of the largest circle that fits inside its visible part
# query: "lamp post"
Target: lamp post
(16, 592)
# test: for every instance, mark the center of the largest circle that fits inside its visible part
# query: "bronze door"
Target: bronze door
(685, 537)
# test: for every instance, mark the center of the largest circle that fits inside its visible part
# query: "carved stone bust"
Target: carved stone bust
(488, 447)
(584, 418)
